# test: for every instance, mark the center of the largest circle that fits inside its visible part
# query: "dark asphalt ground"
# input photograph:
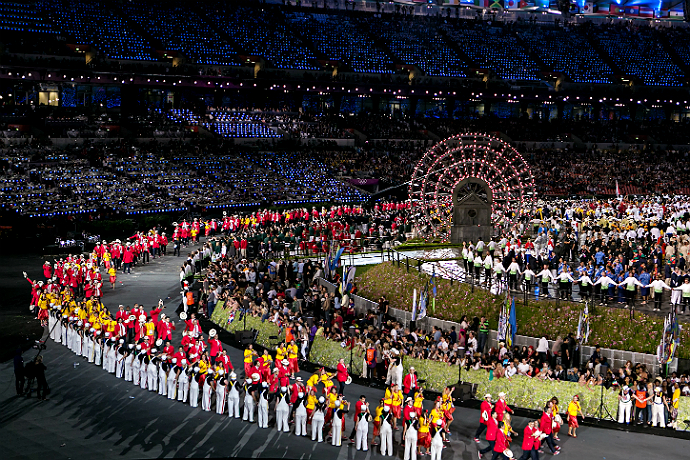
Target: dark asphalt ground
(91, 414)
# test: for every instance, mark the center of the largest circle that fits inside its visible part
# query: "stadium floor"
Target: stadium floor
(92, 414)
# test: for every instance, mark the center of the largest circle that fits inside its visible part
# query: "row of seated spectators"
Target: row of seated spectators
(228, 34)
(157, 176)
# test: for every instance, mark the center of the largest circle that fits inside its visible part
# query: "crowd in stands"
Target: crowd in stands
(280, 37)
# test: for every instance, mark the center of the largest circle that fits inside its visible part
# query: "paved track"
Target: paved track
(91, 414)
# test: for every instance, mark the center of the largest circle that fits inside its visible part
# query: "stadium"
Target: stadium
(286, 229)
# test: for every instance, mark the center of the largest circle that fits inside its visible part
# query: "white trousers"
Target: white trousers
(194, 393)
(410, 444)
(436, 451)
(675, 297)
(337, 431)
(262, 414)
(658, 415)
(234, 405)
(248, 414)
(162, 383)
(361, 435)
(624, 409)
(220, 400)
(386, 439)
(152, 381)
(300, 423)
(317, 427)
(282, 414)
(183, 389)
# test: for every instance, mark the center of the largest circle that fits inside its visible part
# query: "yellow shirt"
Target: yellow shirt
(418, 400)
(280, 353)
(112, 271)
(388, 398)
(573, 408)
(423, 425)
(446, 402)
(379, 411)
(311, 402)
(248, 356)
(313, 380)
(675, 400)
(397, 398)
(267, 360)
(150, 328)
(435, 415)
(203, 366)
(292, 351)
(332, 397)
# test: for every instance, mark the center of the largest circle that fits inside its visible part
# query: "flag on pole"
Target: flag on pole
(423, 299)
(502, 322)
(414, 304)
(347, 284)
(673, 337)
(585, 321)
(512, 325)
(618, 192)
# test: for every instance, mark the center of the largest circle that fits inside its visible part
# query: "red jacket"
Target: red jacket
(128, 256)
(410, 383)
(501, 442)
(215, 346)
(342, 373)
(485, 407)
(527, 440)
(491, 429)
(546, 423)
(501, 408)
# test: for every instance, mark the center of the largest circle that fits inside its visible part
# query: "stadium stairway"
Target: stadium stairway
(144, 33)
(673, 54)
(594, 43)
(471, 64)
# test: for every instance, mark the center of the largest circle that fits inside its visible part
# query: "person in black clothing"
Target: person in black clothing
(39, 373)
(29, 376)
(19, 371)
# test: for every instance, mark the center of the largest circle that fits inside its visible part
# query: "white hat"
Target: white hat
(298, 379)
(322, 399)
(264, 384)
(210, 371)
(364, 408)
(501, 395)
(657, 389)
(487, 396)
(256, 377)
(233, 376)
(221, 371)
(386, 408)
(122, 340)
(212, 333)
(337, 404)
(283, 388)
(439, 422)
(174, 360)
(196, 368)
(159, 342)
(142, 317)
(285, 362)
(300, 394)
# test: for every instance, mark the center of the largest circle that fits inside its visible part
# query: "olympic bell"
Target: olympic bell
(472, 204)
